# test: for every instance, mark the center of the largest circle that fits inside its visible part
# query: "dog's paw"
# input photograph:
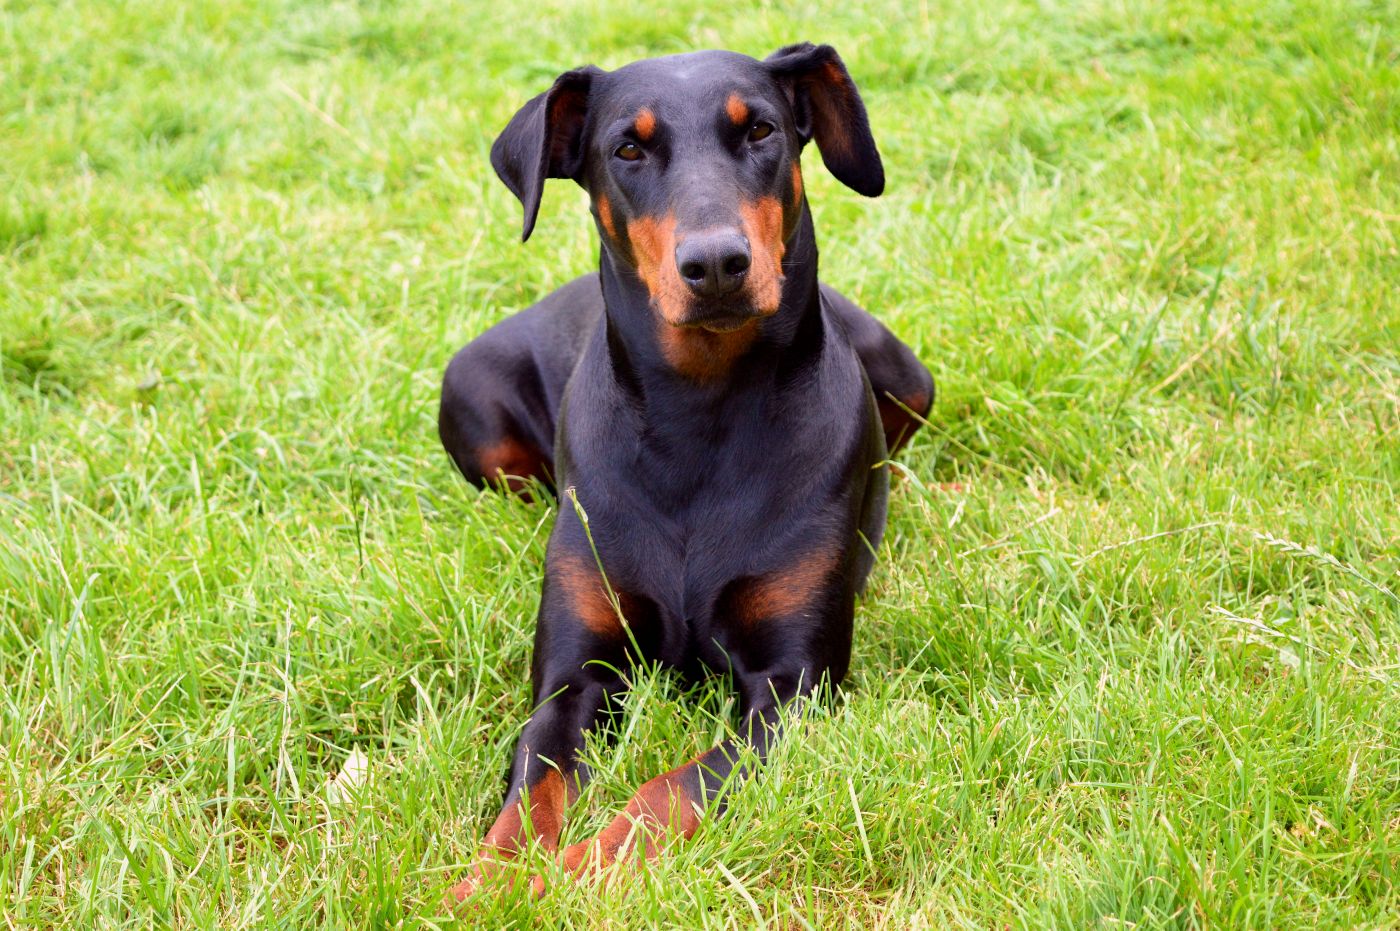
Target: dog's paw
(582, 857)
(463, 890)
(492, 877)
(602, 857)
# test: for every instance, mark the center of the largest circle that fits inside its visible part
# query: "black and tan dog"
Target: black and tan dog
(707, 403)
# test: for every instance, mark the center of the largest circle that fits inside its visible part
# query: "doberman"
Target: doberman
(717, 417)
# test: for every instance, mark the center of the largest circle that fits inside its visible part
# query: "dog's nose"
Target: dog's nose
(713, 264)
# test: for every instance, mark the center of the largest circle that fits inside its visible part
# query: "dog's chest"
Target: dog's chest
(732, 534)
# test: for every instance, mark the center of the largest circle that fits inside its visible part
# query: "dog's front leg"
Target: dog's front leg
(578, 659)
(670, 807)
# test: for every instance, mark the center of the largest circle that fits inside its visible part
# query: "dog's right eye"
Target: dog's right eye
(629, 152)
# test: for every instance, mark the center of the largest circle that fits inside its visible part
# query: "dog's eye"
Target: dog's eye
(629, 152)
(760, 130)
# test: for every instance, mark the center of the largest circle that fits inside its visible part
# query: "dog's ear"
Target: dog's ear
(828, 108)
(544, 140)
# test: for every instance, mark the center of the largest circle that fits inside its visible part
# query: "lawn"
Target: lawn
(1130, 658)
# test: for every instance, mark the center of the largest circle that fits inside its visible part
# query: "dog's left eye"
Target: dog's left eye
(628, 152)
(760, 130)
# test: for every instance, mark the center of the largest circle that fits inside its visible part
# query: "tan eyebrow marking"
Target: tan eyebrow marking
(738, 110)
(644, 124)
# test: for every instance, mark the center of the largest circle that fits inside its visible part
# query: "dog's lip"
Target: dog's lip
(725, 317)
(726, 324)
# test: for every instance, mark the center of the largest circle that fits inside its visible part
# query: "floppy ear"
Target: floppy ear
(544, 140)
(828, 108)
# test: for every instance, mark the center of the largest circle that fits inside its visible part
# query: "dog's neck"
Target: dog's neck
(648, 354)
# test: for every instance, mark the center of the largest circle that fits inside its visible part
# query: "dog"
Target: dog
(719, 416)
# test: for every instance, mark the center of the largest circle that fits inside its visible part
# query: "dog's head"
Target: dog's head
(692, 163)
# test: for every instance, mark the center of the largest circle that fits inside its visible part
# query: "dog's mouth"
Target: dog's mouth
(726, 325)
(725, 315)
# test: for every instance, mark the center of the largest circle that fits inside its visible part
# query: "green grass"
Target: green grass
(1140, 669)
